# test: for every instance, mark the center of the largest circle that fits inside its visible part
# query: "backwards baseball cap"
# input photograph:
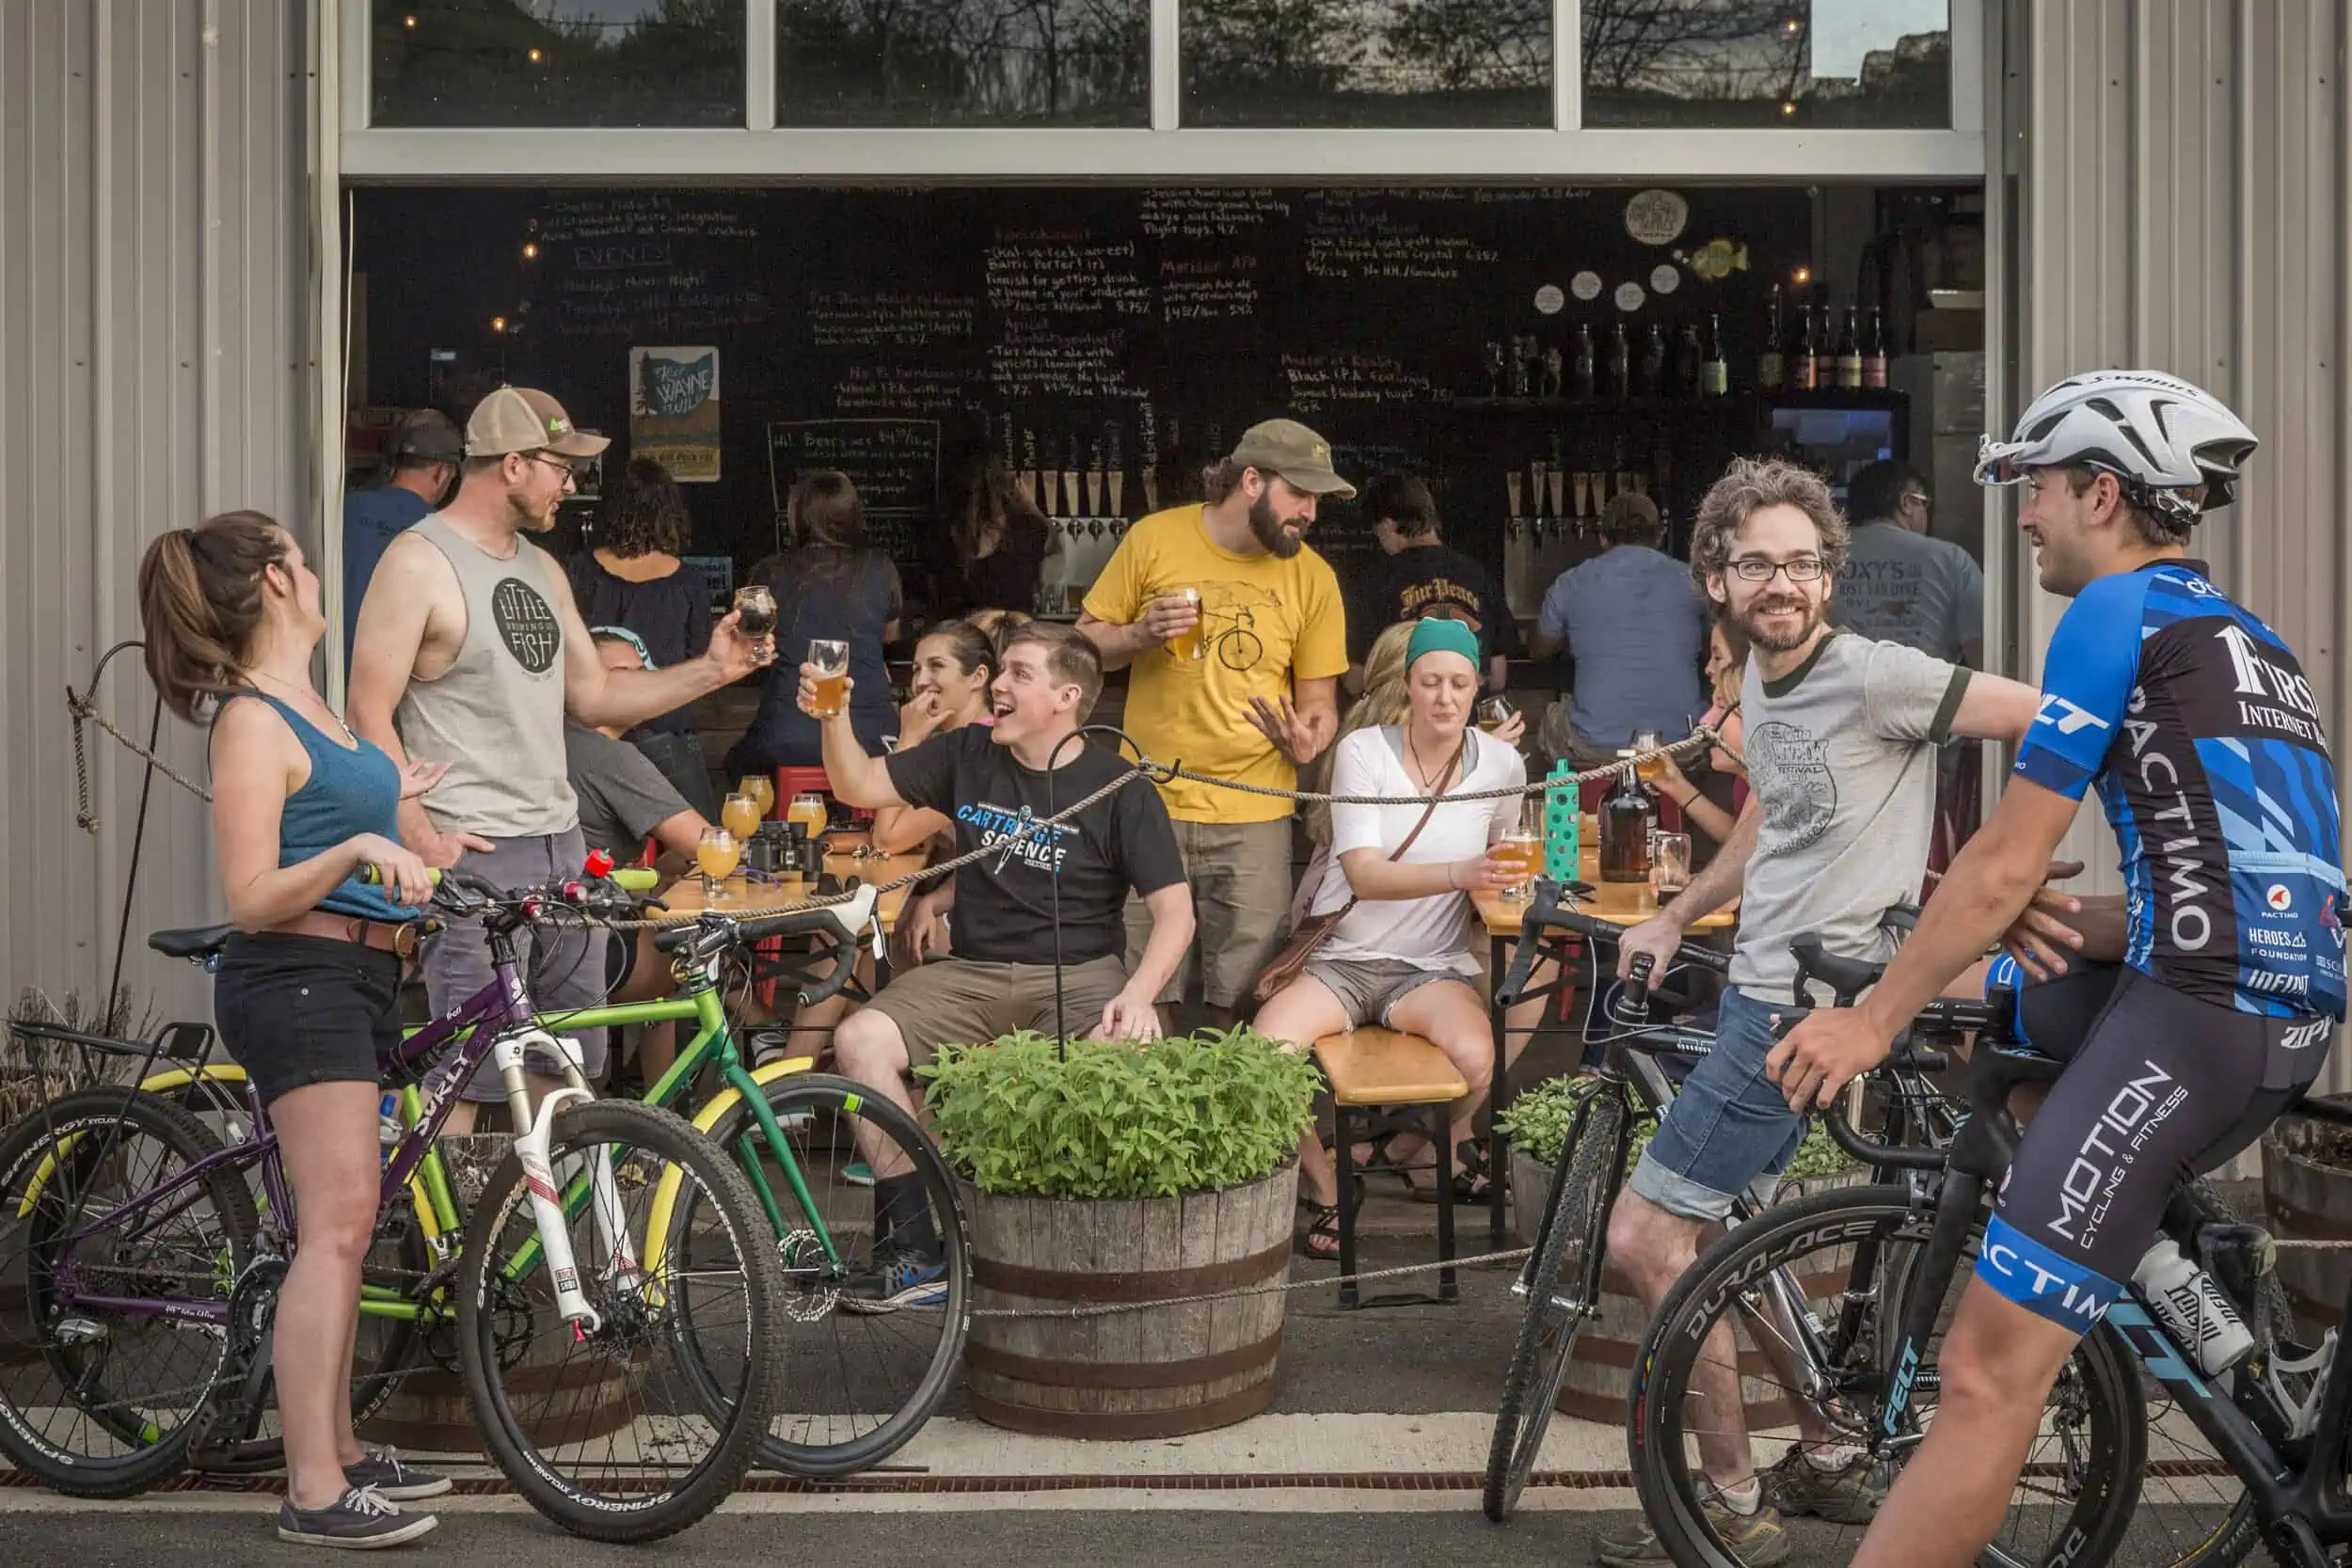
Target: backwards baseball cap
(426, 435)
(1287, 448)
(521, 419)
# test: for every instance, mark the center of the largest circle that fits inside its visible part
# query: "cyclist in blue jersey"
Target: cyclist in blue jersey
(2191, 1010)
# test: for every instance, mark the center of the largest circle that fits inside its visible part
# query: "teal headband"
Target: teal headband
(622, 634)
(1432, 636)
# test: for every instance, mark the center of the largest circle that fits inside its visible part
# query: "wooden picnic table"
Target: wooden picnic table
(740, 895)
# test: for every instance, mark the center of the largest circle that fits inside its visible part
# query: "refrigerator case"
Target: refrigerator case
(1835, 431)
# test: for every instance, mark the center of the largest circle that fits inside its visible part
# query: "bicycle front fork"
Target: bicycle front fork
(547, 1205)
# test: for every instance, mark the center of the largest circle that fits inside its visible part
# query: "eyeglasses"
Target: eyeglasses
(1754, 568)
(558, 461)
(1919, 500)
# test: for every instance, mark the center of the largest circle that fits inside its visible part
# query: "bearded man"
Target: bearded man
(1234, 638)
(1842, 750)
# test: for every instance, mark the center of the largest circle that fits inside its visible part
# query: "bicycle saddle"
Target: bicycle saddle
(194, 941)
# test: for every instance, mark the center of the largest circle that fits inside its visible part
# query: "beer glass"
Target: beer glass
(755, 609)
(762, 789)
(1186, 645)
(1669, 864)
(716, 854)
(808, 810)
(1654, 767)
(740, 817)
(832, 678)
(1494, 713)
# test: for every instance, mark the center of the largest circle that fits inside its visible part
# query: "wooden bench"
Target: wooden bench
(1384, 1067)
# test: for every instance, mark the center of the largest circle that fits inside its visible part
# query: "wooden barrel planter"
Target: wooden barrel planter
(1600, 1374)
(1157, 1372)
(2307, 1189)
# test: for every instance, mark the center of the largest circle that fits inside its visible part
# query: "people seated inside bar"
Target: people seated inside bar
(1636, 632)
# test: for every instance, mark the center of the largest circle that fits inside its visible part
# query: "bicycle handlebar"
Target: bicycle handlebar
(1551, 909)
(836, 929)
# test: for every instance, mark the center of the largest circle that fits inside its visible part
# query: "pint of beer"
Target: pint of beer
(833, 678)
(1186, 645)
(1526, 847)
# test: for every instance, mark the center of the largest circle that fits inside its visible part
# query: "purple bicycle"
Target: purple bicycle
(609, 1299)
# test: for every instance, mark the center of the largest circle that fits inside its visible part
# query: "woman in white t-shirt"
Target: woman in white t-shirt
(1406, 955)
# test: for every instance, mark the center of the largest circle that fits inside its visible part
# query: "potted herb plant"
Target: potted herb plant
(1123, 1174)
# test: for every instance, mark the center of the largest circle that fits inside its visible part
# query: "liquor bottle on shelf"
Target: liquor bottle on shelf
(1583, 374)
(1621, 365)
(1771, 365)
(1874, 351)
(1715, 370)
(1654, 362)
(1690, 361)
(1803, 363)
(1849, 356)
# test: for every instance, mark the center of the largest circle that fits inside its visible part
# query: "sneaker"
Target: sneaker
(1850, 1495)
(382, 1472)
(899, 1277)
(359, 1520)
(1757, 1540)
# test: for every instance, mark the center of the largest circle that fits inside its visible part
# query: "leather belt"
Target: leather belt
(399, 938)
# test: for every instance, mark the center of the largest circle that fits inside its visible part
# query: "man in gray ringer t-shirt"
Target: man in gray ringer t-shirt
(1840, 748)
(470, 650)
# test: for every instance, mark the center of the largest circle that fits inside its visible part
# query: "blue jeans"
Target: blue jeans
(1729, 1127)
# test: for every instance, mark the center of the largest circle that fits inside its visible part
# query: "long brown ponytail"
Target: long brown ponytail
(199, 601)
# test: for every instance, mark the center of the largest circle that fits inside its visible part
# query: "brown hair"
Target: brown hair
(200, 600)
(1069, 659)
(643, 512)
(997, 624)
(992, 505)
(1223, 477)
(972, 649)
(2150, 529)
(1728, 684)
(1631, 518)
(826, 510)
(1747, 488)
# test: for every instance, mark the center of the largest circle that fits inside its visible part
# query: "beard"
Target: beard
(1269, 530)
(1809, 613)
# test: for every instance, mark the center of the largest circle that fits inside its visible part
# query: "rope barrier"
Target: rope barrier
(1107, 1309)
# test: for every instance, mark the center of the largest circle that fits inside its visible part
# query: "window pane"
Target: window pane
(963, 62)
(1367, 62)
(558, 62)
(1735, 63)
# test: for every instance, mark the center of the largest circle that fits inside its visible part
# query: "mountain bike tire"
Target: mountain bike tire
(86, 1383)
(1570, 1247)
(819, 1339)
(2097, 1391)
(638, 1499)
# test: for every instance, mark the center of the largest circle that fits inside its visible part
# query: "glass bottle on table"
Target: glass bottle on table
(1626, 820)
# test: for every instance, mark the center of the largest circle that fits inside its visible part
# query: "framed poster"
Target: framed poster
(674, 410)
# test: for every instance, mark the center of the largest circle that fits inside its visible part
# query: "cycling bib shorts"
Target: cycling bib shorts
(2159, 1086)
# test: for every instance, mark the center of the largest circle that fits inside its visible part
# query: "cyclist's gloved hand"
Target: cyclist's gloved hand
(2040, 939)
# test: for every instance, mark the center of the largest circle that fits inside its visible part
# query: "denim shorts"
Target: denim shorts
(296, 1011)
(1728, 1128)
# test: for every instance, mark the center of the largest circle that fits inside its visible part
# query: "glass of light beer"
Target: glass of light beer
(1186, 645)
(740, 816)
(832, 678)
(715, 854)
(808, 810)
(1655, 768)
(1494, 713)
(762, 789)
(1526, 847)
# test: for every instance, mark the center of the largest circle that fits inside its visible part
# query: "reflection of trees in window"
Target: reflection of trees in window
(963, 62)
(1367, 62)
(1748, 62)
(558, 62)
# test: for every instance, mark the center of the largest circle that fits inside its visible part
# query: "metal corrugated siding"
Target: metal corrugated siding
(2184, 206)
(153, 304)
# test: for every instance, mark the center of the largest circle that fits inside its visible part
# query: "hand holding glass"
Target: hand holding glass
(1180, 609)
(1494, 713)
(825, 679)
(755, 609)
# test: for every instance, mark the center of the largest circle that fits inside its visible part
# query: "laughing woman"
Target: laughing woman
(305, 996)
(1404, 954)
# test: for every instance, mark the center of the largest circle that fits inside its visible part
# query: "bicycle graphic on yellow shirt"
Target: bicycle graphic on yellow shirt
(1228, 618)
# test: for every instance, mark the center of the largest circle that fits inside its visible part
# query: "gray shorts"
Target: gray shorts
(965, 1001)
(562, 965)
(1370, 989)
(1240, 874)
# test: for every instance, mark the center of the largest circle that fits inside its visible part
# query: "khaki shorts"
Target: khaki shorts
(963, 1001)
(1241, 899)
(1368, 990)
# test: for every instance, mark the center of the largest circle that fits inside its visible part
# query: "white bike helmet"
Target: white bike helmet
(2161, 437)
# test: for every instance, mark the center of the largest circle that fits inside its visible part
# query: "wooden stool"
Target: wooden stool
(1381, 1066)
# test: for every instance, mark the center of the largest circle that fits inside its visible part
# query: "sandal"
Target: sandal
(1322, 1225)
(1471, 1184)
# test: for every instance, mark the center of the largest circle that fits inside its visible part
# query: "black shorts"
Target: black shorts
(2159, 1086)
(295, 1010)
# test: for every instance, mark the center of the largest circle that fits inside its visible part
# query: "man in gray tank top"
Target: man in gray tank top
(470, 650)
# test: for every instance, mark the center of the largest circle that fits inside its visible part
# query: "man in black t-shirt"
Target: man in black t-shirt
(997, 782)
(1423, 575)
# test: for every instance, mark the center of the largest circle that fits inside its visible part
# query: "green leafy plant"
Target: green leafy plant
(1537, 1119)
(1118, 1120)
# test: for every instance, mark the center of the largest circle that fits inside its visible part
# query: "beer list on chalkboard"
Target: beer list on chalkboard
(1077, 332)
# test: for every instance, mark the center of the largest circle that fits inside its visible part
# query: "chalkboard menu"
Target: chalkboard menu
(896, 333)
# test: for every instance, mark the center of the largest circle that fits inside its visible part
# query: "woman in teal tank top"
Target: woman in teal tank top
(307, 992)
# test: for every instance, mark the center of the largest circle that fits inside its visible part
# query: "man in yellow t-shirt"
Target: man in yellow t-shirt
(1235, 635)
